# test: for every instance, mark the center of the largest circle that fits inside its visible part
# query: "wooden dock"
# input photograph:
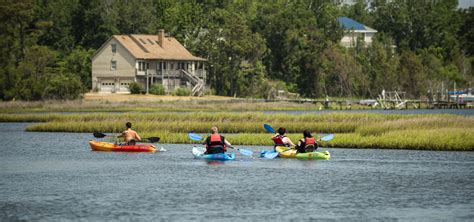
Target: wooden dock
(407, 104)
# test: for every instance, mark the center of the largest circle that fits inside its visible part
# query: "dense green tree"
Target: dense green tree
(57, 16)
(380, 63)
(412, 75)
(231, 46)
(78, 63)
(63, 86)
(253, 47)
(466, 32)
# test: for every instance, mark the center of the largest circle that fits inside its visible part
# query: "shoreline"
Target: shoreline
(352, 130)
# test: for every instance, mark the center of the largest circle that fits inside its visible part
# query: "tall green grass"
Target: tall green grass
(358, 130)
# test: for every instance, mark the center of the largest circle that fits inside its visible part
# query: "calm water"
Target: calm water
(55, 177)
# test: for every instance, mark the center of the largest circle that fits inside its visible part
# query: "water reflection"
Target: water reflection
(61, 179)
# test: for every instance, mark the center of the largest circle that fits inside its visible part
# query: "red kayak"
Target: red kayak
(105, 146)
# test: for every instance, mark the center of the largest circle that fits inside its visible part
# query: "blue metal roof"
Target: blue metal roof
(351, 24)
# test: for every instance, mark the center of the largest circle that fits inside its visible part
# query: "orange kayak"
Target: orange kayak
(104, 146)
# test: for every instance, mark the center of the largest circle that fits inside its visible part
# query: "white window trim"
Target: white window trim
(112, 65)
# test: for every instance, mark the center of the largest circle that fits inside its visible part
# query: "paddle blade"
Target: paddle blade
(328, 137)
(153, 139)
(270, 155)
(99, 135)
(246, 152)
(195, 137)
(268, 128)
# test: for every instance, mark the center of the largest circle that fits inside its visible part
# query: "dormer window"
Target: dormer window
(114, 48)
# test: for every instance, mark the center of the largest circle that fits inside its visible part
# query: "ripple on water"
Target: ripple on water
(55, 176)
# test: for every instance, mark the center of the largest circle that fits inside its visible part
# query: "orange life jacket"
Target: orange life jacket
(216, 141)
(309, 145)
(309, 140)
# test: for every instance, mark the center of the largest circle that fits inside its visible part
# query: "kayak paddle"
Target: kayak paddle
(268, 128)
(271, 154)
(149, 139)
(328, 137)
(197, 137)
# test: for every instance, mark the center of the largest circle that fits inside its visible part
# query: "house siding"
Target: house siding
(101, 65)
(170, 65)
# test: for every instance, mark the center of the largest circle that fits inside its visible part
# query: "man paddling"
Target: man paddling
(216, 143)
(129, 135)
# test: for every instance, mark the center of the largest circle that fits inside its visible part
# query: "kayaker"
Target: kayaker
(130, 136)
(281, 140)
(216, 143)
(307, 144)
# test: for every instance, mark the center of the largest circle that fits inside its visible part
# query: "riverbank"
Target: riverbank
(96, 102)
(352, 130)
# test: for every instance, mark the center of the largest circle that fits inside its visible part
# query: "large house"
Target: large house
(354, 30)
(147, 60)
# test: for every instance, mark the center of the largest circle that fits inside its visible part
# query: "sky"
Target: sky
(466, 3)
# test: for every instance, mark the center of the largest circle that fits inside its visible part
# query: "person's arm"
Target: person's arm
(206, 141)
(290, 142)
(227, 143)
(137, 136)
(299, 143)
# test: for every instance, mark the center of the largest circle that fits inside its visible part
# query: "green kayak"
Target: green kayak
(286, 152)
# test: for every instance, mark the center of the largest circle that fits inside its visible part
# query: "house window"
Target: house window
(113, 65)
(142, 66)
(172, 65)
(114, 48)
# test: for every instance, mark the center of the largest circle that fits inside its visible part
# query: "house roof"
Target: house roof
(149, 47)
(350, 24)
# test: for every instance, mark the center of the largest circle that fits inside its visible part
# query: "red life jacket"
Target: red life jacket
(309, 140)
(216, 141)
(278, 140)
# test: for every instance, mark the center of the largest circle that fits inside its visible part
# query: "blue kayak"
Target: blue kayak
(198, 153)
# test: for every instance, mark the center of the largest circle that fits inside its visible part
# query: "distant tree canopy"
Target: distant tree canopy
(251, 46)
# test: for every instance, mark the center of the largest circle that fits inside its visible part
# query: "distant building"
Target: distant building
(147, 60)
(353, 31)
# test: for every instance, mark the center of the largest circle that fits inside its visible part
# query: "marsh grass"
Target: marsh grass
(358, 130)
(190, 104)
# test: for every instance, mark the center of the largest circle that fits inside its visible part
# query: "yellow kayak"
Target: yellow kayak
(286, 152)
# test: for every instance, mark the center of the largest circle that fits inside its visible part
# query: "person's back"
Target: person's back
(281, 140)
(130, 136)
(307, 144)
(216, 143)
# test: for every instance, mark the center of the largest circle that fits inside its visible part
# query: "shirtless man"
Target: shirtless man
(129, 135)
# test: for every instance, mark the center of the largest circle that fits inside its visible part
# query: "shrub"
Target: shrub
(135, 88)
(157, 89)
(209, 92)
(63, 86)
(182, 92)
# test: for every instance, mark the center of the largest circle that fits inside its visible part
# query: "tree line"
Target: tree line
(252, 47)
